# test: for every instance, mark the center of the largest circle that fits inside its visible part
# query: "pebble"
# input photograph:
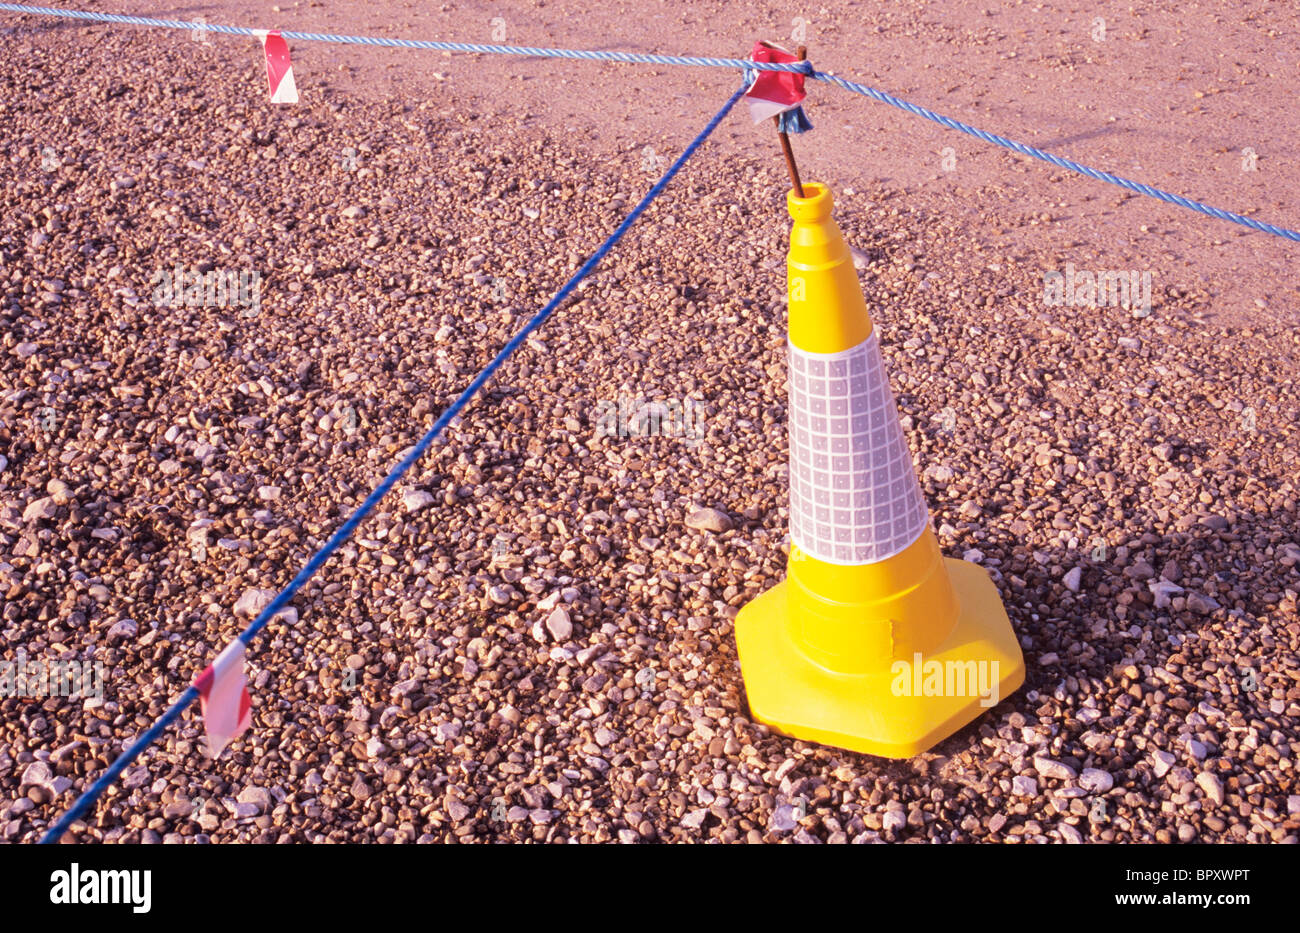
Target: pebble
(1055, 770)
(124, 628)
(1164, 591)
(178, 809)
(1212, 786)
(253, 601)
(558, 624)
(1073, 577)
(40, 510)
(1162, 761)
(1200, 603)
(695, 819)
(259, 798)
(35, 774)
(416, 499)
(1096, 781)
(712, 520)
(940, 473)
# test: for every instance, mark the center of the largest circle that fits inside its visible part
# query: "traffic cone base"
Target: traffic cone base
(894, 710)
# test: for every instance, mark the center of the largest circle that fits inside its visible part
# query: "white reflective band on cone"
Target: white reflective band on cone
(854, 497)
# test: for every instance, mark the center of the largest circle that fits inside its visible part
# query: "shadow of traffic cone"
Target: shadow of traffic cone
(874, 642)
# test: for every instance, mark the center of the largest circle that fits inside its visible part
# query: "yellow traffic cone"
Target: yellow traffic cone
(875, 642)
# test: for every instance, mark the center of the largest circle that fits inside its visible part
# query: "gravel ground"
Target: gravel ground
(531, 639)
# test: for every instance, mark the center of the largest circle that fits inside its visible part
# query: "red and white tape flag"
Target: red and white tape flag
(773, 92)
(223, 695)
(279, 69)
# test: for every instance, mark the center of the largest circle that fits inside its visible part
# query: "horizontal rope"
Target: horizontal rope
(1135, 186)
(802, 67)
(636, 58)
(281, 601)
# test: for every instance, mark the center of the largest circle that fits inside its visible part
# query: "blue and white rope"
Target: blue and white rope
(281, 601)
(638, 58)
(748, 66)
(1058, 161)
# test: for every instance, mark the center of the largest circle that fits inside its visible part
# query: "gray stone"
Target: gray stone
(1163, 591)
(1055, 770)
(259, 797)
(36, 774)
(1199, 602)
(1070, 834)
(251, 604)
(893, 819)
(712, 520)
(558, 624)
(694, 819)
(1212, 786)
(125, 628)
(1163, 761)
(1096, 781)
(178, 809)
(40, 509)
(416, 499)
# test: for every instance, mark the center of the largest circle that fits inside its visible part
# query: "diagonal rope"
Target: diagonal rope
(55, 832)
